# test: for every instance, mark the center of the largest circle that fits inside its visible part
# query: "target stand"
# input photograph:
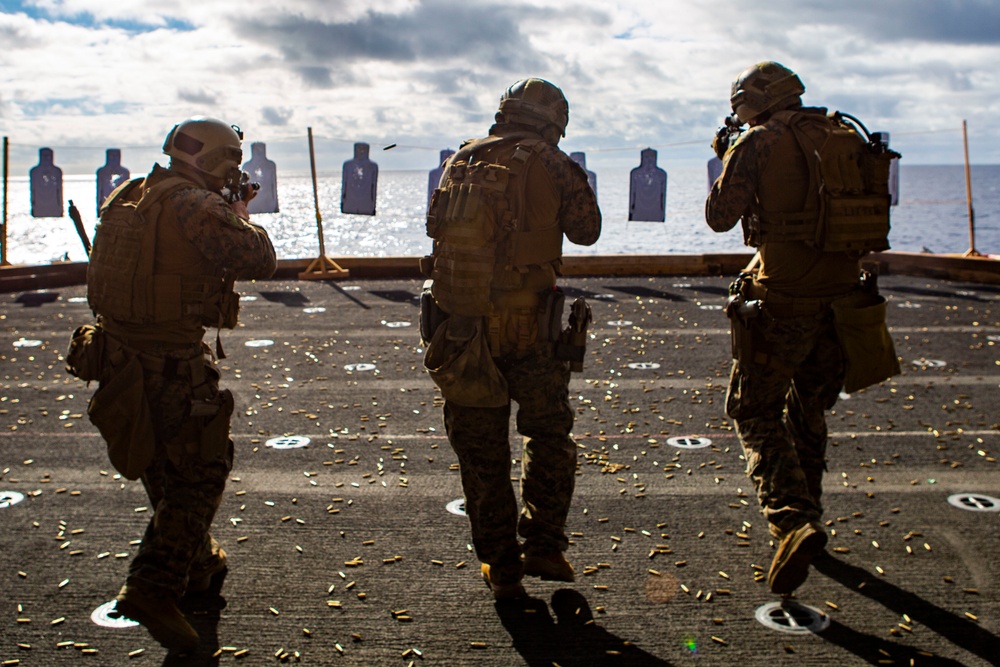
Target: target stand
(323, 268)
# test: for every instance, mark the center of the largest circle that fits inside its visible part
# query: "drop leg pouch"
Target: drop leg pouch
(120, 411)
(864, 337)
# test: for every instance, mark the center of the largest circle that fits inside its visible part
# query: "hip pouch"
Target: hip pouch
(864, 337)
(120, 411)
(85, 357)
(461, 365)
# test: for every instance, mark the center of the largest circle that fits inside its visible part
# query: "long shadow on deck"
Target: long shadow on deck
(959, 631)
(574, 640)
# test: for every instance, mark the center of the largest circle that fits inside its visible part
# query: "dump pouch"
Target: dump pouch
(864, 337)
(459, 362)
(121, 413)
(85, 357)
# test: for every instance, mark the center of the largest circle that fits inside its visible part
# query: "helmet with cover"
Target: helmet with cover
(207, 144)
(766, 86)
(535, 102)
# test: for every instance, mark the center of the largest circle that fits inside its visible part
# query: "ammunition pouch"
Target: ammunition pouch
(431, 314)
(459, 362)
(859, 320)
(85, 357)
(229, 309)
(120, 411)
(426, 265)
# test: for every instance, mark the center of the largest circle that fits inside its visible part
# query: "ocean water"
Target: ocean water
(932, 216)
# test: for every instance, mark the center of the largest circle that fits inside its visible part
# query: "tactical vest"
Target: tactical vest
(847, 200)
(129, 283)
(485, 245)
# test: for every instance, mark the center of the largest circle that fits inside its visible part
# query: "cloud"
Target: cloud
(18, 32)
(200, 97)
(276, 117)
(432, 71)
(940, 21)
(428, 32)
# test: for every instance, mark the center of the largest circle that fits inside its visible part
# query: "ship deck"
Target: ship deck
(344, 552)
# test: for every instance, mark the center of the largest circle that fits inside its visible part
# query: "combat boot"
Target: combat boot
(502, 591)
(553, 567)
(796, 551)
(201, 574)
(160, 616)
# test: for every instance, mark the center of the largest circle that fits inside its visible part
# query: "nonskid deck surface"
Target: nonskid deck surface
(344, 552)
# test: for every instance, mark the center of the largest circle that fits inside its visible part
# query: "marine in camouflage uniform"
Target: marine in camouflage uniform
(184, 488)
(557, 193)
(198, 233)
(778, 397)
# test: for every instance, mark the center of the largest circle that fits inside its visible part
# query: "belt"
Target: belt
(783, 306)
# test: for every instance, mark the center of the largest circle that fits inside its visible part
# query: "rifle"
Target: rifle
(74, 213)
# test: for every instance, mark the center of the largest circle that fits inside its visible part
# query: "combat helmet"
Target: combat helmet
(765, 86)
(207, 144)
(535, 102)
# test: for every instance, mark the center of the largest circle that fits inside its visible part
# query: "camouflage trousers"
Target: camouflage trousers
(779, 411)
(184, 489)
(540, 385)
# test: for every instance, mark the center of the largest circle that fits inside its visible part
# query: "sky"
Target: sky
(81, 76)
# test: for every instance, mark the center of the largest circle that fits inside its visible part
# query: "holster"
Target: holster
(215, 431)
(552, 302)
(743, 312)
(571, 345)
(749, 307)
(742, 315)
(85, 357)
(431, 314)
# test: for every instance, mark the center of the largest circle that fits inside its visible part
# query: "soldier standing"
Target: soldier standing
(166, 253)
(790, 361)
(498, 221)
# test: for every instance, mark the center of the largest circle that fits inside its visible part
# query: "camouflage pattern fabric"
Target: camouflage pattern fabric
(766, 166)
(743, 167)
(229, 241)
(184, 490)
(540, 385)
(780, 419)
(579, 215)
